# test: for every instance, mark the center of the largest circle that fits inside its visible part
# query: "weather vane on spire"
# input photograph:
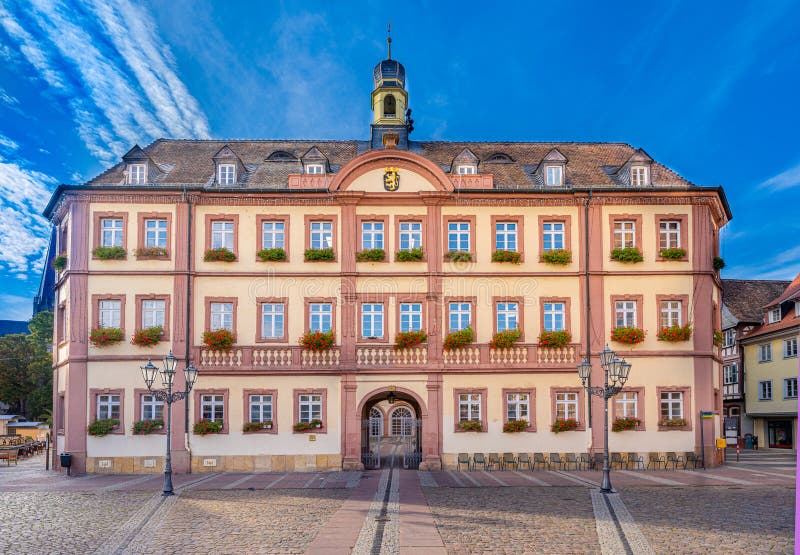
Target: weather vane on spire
(389, 39)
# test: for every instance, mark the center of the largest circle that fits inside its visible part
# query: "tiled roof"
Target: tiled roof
(746, 298)
(791, 293)
(186, 162)
(788, 321)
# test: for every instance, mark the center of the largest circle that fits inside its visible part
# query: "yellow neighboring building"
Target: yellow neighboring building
(771, 370)
(374, 241)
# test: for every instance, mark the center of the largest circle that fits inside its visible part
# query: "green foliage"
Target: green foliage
(554, 338)
(624, 423)
(458, 256)
(561, 425)
(219, 255)
(559, 257)
(60, 262)
(318, 255)
(371, 255)
(256, 426)
(506, 256)
(147, 337)
(505, 339)
(26, 368)
(205, 427)
(513, 426)
(718, 338)
(146, 427)
(102, 427)
(411, 255)
(627, 255)
(629, 335)
(675, 333)
(219, 340)
(109, 253)
(470, 426)
(317, 340)
(271, 255)
(673, 422)
(407, 339)
(102, 337)
(458, 339)
(305, 426)
(151, 252)
(718, 263)
(673, 254)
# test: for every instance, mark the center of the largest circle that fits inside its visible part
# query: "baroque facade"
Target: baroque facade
(506, 255)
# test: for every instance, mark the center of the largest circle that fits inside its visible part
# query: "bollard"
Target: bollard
(737, 452)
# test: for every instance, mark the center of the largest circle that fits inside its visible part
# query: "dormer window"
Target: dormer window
(466, 169)
(797, 309)
(226, 174)
(137, 174)
(554, 176)
(315, 169)
(639, 176)
(774, 315)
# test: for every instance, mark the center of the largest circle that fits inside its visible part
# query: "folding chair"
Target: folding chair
(675, 460)
(555, 459)
(478, 459)
(616, 458)
(494, 460)
(635, 461)
(509, 460)
(570, 459)
(597, 461)
(691, 457)
(524, 458)
(585, 461)
(463, 458)
(656, 460)
(538, 458)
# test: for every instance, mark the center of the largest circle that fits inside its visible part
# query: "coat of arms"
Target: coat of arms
(391, 179)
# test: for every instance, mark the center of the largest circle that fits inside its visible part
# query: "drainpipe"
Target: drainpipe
(588, 299)
(186, 436)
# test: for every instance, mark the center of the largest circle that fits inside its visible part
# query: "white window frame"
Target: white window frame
(765, 352)
(673, 402)
(518, 406)
(628, 404)
(109, 405)
(458, 236)
(461, 312)
(505, 236)
(669, 233)
(671, 314)
(729, 338)
(410, 235)
(399, 423)
(260, 408)
(153, 313)
(315, 169)
(226, 174)
(155, 233)
(371, 320)
(410, 317)
(212, 407)
(309, 407)
(730, 374)
(552, 236)
(566, 405)
(372, 235)
(272, 320)
(640, 176)
(273, 234)
(765, 390)
(507, 316)
(466, 169)
(222, 234)
(790, 348)
(790, 388)
(137, 174)
(554, 316)
(112, 231)
(624, 234)
(221, 316)
(625, 314)
(320, 317)
(109, 313)
(152, 408)
(321, 235)
(774, 315)
(469, 406)
(554, 175)
(797, 308)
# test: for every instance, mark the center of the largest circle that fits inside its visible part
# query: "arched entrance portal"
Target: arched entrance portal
(397, 439)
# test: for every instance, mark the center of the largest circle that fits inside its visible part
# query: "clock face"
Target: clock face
(391, 179)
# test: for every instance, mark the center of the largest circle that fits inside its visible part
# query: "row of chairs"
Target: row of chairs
(574, 461)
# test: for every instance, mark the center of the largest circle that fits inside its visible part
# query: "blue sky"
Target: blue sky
(709, 89)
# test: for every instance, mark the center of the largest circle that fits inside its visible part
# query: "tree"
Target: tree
(26, 368)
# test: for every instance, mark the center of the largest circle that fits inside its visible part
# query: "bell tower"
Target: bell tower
(389, 100)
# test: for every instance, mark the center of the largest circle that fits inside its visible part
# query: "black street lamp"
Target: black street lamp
(149, 372)
(616, 370)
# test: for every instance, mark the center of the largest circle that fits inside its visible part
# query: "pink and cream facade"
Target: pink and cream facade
(169, 204)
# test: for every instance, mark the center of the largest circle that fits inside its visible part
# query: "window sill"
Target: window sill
(274, 341)
(322, 430)
(687, 428)
(272, 431)
(166, 258)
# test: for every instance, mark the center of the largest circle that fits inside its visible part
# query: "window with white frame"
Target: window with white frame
(460, 316)
(155, 233)
(505, 236)
(320, 317)
(109, 313)
(273, 235)
(624, 234)
(627, 404)
(670, 314)
(410, 317)
(625, 314)
(729, 338)
(375, 422)
(469, 406)
(507, 316)
(221, 316)
(671, 405)
(765, 352)
(554, 176)
(226, 174)
(321, 235)
(517, 406)
(774, 315)
(790, 348)
(152, 408)
(639, 176)
(466, 169)
(212, 407)
(790, 388)
(400, 422)
(309, 407)
(222, 235)
(371, 235)
(371, 320)
(108, 406)
(153, 313)
(669, 234)
(137, 174)
(797, 309)
(315, 169)
(272, 315)
(458, 236)
(260, 408)
(111, 232)
(552, 236)
(730, 374)
(410, 235)
(566, 406)
(765, 390)
(553, 314)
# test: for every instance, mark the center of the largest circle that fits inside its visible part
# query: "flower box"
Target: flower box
(674, 334)
(506, 256)
(673, 254)
(672, 423)
(458, 339)
(458, 256)
(219, 340)
(505, 339)
(624, 423)
(411, 255)
(147, 337)
(205, 427)
(718, 263)
(629, 335)
(318, 341)
(514, 426)
(470, 425)
(272, 255)
(558, 257)
(561, 425)
(151, 252)
(257, 426)
(146, 427)
(109, 253)
(306, 426)
(60, 262)
(318, 255)
(554, 339)
(219, 255)
(102, 427)
(103, 337)
(371, 255)
(408, 339)
(627, 255)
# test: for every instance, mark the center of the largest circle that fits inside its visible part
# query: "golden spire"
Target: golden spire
(389, 39)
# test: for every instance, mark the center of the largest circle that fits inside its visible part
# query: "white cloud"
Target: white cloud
(15, 307)
(7, 143)
(784, 180)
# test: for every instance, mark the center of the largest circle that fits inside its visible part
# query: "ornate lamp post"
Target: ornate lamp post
(166, 395)
(616, 371)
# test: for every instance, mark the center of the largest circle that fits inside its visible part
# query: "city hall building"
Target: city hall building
(337, 297)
